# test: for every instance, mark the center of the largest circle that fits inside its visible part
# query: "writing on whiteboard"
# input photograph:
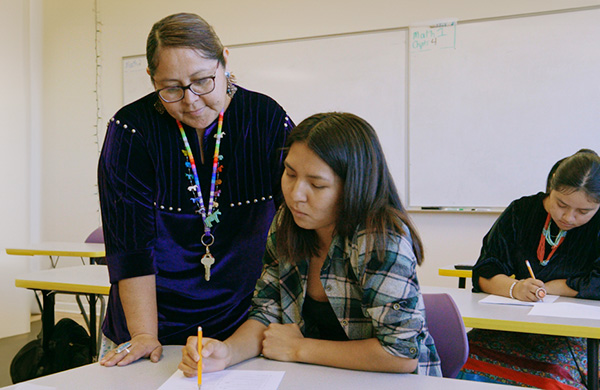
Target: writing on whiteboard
(434, 36)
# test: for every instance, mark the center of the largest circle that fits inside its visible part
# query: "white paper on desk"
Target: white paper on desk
(500, 300)
(568, 310)
(29, 386)
(226, 380)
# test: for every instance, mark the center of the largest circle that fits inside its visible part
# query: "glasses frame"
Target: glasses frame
(189, 86)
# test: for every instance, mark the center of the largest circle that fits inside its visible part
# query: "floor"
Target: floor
(9, 346)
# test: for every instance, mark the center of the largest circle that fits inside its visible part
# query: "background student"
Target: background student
(339, 285)
(186, 199)
(559, 233)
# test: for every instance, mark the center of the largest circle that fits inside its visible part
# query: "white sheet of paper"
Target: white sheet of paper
(226, 380)
(566, 309)
(499, 300)
(29, 386)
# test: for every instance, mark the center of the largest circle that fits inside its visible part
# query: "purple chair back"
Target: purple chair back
(97, 236)
(448, 331)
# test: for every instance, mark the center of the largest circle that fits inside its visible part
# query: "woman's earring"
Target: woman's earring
(159, 106)
(231, 88)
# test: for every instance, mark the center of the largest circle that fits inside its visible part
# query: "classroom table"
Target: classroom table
(514, 318)
(91, 280)
(146, 375)
(56, 249)
(461, 274)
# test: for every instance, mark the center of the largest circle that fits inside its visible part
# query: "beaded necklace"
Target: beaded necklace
(546, 237)
(210, 216)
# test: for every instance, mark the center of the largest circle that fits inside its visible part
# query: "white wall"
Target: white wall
(68, 206)
(448, 238)
(15, 163)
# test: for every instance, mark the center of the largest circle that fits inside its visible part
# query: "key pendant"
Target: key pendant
(207, 261)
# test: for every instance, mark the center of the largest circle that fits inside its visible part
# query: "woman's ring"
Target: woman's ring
(123, 347)
(540, 293)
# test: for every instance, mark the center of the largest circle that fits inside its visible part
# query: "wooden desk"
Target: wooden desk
(146, 375)
(90, 280)
(461, 274)
(56, 249)
(515, 319)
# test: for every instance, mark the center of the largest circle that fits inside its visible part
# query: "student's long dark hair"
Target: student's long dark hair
(579, 172)
(349, 145)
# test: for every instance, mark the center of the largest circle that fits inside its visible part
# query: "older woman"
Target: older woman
(189, 180)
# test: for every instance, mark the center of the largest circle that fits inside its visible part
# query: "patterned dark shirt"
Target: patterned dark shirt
(150, 224)
(369, 298)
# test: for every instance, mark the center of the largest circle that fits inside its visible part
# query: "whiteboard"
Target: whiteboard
(489, 117)
(136, 82)
(363, 73)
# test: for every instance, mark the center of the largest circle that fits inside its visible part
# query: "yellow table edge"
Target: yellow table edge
(538, 328)
(62, 287)
(459, 273)
(46, 252)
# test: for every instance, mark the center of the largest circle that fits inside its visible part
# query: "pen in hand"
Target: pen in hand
(540, 293)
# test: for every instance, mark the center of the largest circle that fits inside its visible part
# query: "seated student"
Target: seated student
(339, 285)
(558, 232)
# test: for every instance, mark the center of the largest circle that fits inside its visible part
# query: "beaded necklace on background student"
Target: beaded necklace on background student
(547, 237)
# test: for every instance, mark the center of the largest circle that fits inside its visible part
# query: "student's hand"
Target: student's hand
(282, 342)
(216, 356)
(142, 346)
(525, 290)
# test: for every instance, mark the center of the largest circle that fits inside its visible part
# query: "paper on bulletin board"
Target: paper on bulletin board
(433, 35)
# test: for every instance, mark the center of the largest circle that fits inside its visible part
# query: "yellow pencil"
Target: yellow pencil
(540, 293)
(200, 359)
(529, 268)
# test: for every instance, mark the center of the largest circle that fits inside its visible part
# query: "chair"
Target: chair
(448, 331)
(96, 237)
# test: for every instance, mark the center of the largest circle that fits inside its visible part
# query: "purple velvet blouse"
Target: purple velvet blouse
(149, 222)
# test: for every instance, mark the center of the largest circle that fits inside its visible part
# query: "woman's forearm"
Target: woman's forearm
(559, 287)
(497, 285)
(138, 297)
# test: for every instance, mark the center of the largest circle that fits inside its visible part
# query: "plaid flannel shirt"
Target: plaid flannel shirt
(370, 299)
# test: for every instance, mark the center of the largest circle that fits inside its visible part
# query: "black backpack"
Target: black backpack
(69, 347)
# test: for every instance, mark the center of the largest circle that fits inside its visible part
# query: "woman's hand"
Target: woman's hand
(529, 290)
(142, 346)
(216, 356)
(282, 342)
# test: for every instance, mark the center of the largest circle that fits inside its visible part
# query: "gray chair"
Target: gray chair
(448, 331)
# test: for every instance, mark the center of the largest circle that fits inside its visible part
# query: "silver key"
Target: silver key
(207, 261)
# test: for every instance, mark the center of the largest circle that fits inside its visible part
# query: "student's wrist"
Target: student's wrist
(511, 290)
(231, 357)
(301, 350)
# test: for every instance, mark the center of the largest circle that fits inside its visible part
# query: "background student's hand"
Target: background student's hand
(216, 356)
(142, 346)
(282, 342)
(525, 290)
